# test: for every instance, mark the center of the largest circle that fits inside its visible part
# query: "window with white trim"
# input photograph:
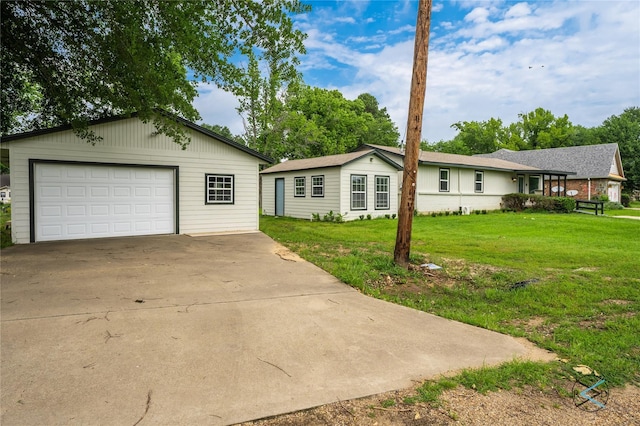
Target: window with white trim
(219, 189)
(444, 180)
(317, 186)
(299, 186)
(382, 193)
(358, 192)
(479, 181)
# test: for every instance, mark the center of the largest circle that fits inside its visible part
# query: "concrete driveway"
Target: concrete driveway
(204, 330)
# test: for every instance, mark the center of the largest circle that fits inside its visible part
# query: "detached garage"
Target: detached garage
(132, 182)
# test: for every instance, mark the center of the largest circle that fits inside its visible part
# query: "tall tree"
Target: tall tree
(624, 129)
(315, 122)
(73, 61)
(541, 129)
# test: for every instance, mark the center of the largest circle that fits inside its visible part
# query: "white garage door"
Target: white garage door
(94, 201)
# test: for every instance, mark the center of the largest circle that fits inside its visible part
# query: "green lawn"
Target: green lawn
(5, 232)
(583, 303)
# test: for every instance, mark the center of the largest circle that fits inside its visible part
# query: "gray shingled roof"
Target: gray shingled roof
(326, 161)
(440, 158)
(588, 161)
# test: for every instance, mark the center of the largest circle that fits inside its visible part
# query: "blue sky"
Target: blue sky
(486, 59)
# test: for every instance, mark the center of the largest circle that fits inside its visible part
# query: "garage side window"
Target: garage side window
(219, 189)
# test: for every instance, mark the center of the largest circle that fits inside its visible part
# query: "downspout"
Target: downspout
(589, 189)
(459, 191)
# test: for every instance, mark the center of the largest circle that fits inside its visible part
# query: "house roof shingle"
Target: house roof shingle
(326, 161)
(588, 161)
(440, 158)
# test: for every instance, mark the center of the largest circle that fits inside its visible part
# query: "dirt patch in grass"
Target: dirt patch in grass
(461, 406)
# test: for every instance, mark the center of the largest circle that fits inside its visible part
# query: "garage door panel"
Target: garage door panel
(108, 201)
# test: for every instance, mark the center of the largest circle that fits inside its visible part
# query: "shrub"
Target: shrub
(625, 199)
(368, 217)
(315, 217)
(361, 217)
(515, 202)
(520, 202)
(610, 205)
(393, 216)
(388, 216)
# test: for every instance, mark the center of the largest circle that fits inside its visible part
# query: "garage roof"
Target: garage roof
(182, 121)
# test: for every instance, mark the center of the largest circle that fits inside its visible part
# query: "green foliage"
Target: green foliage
(624, 130)
(625, 199)
(73, 61)
(519, 202)
(221, 130)
(312, 122)
(5, 231)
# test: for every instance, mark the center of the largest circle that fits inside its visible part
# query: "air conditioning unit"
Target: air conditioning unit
(466, 210)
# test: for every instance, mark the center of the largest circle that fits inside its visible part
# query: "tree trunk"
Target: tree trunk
(414, 133)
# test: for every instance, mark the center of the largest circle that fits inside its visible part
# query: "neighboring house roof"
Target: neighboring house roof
(588, 161)
(327, 161)
(184, 122)
(466, 161)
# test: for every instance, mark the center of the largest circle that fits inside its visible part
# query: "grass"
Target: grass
(583, 303)
(5, 234)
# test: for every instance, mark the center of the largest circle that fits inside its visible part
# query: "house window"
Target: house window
(444, 180)
(299, 186)
(382, 192)
(534, 184)
(317, 186)
(479, 182)
(219, 189)
(358, 192)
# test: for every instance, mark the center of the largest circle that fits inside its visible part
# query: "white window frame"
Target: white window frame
(219, 188)
(387, 193)
(478, 184)
(361, 192)
(317, 186)
(445, 181)
(300, 190)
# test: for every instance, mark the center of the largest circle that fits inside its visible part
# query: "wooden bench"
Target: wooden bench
(591, 205)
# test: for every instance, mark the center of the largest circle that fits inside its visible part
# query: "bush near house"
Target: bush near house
(5, 228)
(519, 202)
(625, 199)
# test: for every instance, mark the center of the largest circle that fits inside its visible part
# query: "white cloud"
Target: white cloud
(584, 59)
(218, 107)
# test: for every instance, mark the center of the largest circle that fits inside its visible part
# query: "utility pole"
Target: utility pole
(414, 133)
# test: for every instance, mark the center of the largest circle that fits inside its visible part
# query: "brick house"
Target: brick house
(598, 168)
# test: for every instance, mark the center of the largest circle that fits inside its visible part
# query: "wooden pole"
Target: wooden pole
(414, 133)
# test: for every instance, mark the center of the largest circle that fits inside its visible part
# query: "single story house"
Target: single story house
(452, 182)
(135, 181)
(356, 184)
(597, 168)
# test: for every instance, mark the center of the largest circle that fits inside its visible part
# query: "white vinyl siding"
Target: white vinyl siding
(131, 142)
(337, 190)
(358, 192)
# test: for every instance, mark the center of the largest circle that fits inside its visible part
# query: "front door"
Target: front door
(280, 197)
